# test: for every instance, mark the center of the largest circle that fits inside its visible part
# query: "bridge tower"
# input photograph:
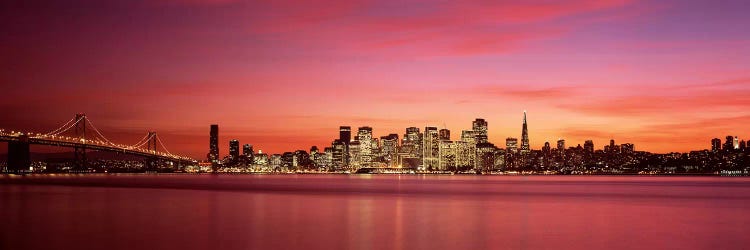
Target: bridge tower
(80, 151)
(151, 147)
(19, 158)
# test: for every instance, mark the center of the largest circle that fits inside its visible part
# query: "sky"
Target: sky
(283, 75)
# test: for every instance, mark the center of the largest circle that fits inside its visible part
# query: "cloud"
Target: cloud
(436, 28)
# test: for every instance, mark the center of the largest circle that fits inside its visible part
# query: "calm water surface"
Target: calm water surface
(372, 212)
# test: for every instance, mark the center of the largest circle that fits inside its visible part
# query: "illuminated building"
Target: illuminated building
(337, 157)
(410, 153)
(366, 146)
(736, 143)
(485, 157)
(287, 160)
(260, 158)
(234, 149)
(524, 135)
(213, 144)
(715, 145)
(247, 152)
(445, 134)
(467, 151)
(511, 145)
(345, 136)
(431, 148)
(447, 158)
(355, 155)
(389, 149)
(275, 160)
(499, 159)
(327, 159)
(480, 126)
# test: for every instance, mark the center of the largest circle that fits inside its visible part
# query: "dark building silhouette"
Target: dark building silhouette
(345, 134)
(247, 152)
(444, 134)
(588, 146)
(715, 145)
(627, 148)
(524, 135)
(234, 149)
(560, 145)
(213, 144)
(729, 144)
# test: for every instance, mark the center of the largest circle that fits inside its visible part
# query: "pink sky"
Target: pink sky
(283, 75)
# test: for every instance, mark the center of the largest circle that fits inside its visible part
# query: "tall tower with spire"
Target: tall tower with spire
(524, 135)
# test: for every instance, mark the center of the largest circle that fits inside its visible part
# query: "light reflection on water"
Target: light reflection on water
(372, 212)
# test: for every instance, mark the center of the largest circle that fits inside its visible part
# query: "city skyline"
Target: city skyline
(667, 76)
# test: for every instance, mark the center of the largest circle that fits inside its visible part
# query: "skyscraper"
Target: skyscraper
(389, 145)
(479, 125)
(729, 143)
(234, 149)
(247, 152)
(467, 151)
(511, 145)
(445, 134)
(561, 145)
(715, 145)
(345, 137)
(588, 146)
(213, 144)
(524, 136)
(338, 154)
(410, 153)
(345, 134)
(364, 136)
(431, 147)
(546, 149)
(736, 143)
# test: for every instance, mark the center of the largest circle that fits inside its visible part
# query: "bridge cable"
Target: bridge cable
(61, 127)
(139, 143)
(162, 144)
(97, 131)
(68, 128)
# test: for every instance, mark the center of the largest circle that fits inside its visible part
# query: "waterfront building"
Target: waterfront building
(366, 146)
(524, 136)
(479, 125)
(213, 144)
(445, 135)
(234, 149)
(715, 145)
(588, 146)
(431, 148)
(511, 145)
(447, 156)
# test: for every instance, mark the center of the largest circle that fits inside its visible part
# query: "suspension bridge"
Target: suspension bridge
(73, 134)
